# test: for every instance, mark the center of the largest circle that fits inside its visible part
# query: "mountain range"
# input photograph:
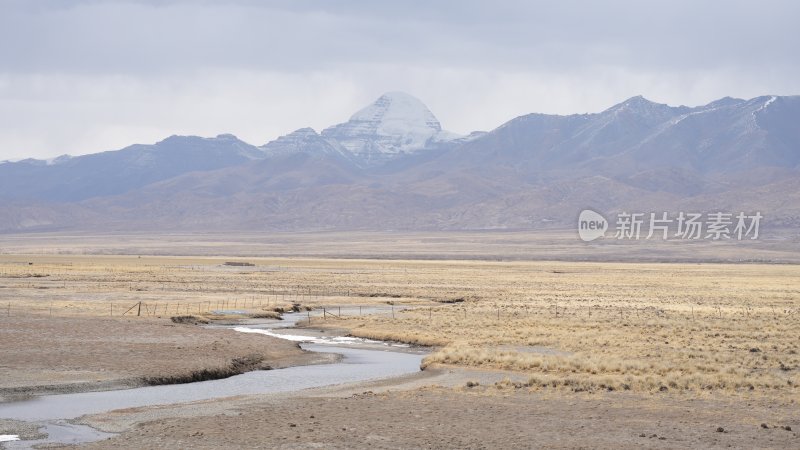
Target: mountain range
(391, 166)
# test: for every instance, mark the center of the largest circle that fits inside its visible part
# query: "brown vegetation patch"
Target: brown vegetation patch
(237, 366)
(189, 320)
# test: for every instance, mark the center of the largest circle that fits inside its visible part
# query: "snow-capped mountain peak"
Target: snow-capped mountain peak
(396, 112)
(395, 123)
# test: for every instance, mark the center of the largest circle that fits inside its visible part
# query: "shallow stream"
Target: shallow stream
(362, 360)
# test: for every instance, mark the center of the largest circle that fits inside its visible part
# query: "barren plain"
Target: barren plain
(556, 354)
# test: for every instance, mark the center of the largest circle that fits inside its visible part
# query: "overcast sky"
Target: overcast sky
(86, 76)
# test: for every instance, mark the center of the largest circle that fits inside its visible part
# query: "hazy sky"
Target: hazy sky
(85, 76)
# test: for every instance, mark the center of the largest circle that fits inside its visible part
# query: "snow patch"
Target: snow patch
(693, 113)
(754, 118)
(9, 437)
(766, 104)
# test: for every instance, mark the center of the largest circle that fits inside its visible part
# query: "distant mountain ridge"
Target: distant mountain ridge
(115, 172)
(391, 166)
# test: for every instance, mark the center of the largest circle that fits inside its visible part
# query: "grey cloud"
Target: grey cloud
(150, 37)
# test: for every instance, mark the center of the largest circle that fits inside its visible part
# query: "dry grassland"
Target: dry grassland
(691, 328)
(616, 326)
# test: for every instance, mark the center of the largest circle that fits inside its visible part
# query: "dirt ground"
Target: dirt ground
(40, 355)
(475, 418)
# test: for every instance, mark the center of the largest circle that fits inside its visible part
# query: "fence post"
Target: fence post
(139, 311)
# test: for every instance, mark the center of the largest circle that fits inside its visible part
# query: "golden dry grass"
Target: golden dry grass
(578, 326)
(643, 327)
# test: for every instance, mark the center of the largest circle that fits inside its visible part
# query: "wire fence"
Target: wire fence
(277, 302)
(315, 306)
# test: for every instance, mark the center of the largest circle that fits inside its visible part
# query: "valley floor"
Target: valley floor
(524, 353)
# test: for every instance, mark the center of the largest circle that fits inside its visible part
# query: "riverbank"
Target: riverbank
(435, 409)
(55, 355)
(52, 419)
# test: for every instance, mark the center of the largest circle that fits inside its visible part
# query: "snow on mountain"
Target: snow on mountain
(396, 123)
(766, 104)
(306, 141)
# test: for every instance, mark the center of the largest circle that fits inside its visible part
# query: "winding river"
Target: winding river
(358, 363)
